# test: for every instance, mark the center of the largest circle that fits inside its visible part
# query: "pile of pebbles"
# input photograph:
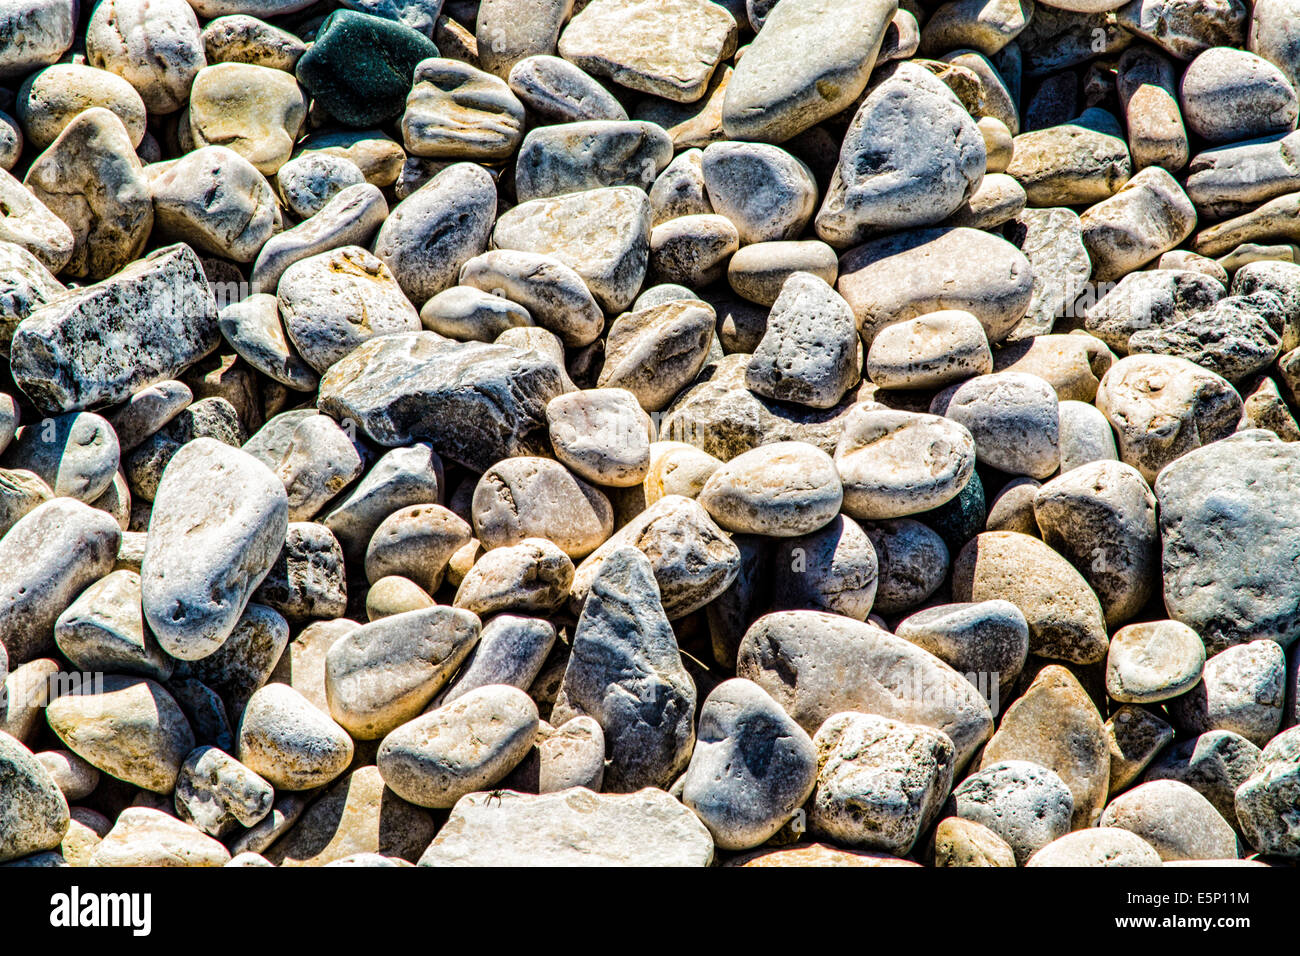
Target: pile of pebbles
(824, 432)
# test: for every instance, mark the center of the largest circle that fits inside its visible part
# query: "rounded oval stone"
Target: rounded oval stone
(1101, 517)
(1100, 846)
(930, 351)
(290, 742)
(155, 46)
(1233, 95)
(382, 674)
(334, 301)
(1174, 819)
(254, 110)
(897, 463)
(1162, 407)
(76, 454)
(472, 315)
(602, 434)
(1064, 616)
(557, 90)
(416, 542)
(751, 768)
(767, 193)
(985, 637)
(310, 180)
(218, 522)
(959, 842)
(911, 273)
(73, 776)
(534, 575)
(759, 271)
(33, 812)
(1024, 803)
(393, 595)
(781, 490)
(1013, 417)
(464, 746)
(127, 727)
(553, 294)
(1241, 689)
(913, 561)
(1153, 661)
(526, 497)
(50, 98)
(455, 111)
(833, 569)
(433, 232)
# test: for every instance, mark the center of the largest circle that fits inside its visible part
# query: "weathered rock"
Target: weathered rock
(571, 827)
(816, 665)
(1102, 846)
(1024, 803)
(127, 727)
(880, 782)
(475, 403)
(103, 342)
(1241, 690)
(1176, 820)
(780, 490)
(462, 747)
(219, 520)
(625, 670)
(383, 674)
(33, 813)
(290, 742)
(1267, 798)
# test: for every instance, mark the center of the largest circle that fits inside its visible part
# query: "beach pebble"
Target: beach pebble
(1265, 800)
(142, 836)
(1176, 820)
(1241, 690)
(1024, 803)
(1101, 846)
(1153, 661)
(462, 747)
(744, 800)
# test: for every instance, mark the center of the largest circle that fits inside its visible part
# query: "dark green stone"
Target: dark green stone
(360, 67)
(959, 520)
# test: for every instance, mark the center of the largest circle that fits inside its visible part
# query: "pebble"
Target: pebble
(571, 157)
(816, 665)
(360, 67)
(1142, 394)
(1241, 690)
(76, 454)
(1176, 820)
(33, 812)
(601, 434)
(1265, 800)
(758, 272)
(959, 842)
(1063, 613)
(103, 630)
(780, 490)
(572, 755)
(381, 675)
(1013, 418)
(834, 569)
(254, 110)
(308, 578)
(556, 90)
(219, 520)
(290, 742)
(1153, 661)
(155, 45)
(347, 219)
(880, 782)
(1214, 764)
(930, 351)
(913, 561)
(657, 351)
(553, 295)
(809, 352)
(217, 201)
(47, 558)
(1224, 521)
(603, 234)
(897, 463)
(985, 637)
(73, 776)
(127, 727)
(780, 91)
(91, 178)
(1149, 215)
(768, 194)
(218, 794)
(142, 836)
(511, 650)
(912, 157)
(625, 670)
(668, 48)
(1102, 846)
(416, 542)
(1101, 517)
(1023, 802)
(404, 476)
(240, 38)
(462, 747)
(1086, 437)
(573, 827)
(915, 272)
(538, 497)
(357, 817)
(455, 111)
(1232, 95)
